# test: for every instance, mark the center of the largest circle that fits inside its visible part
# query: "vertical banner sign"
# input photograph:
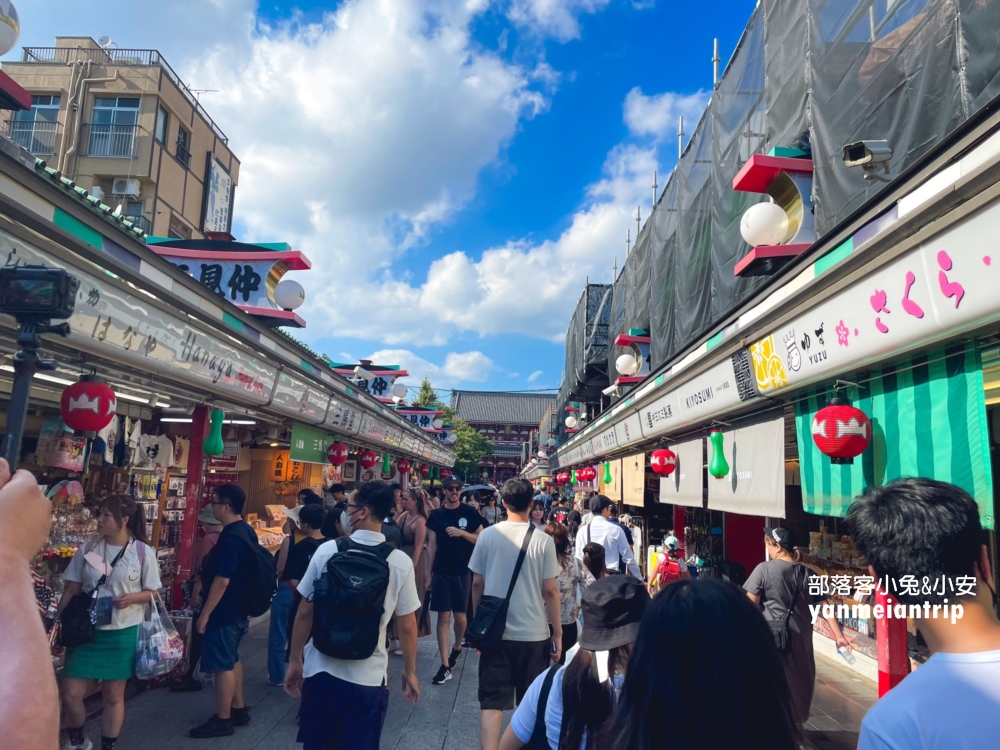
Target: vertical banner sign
(755, 484)
(309, 444)
(279, 466)
(218, 197)
(634, 479)
(686, 485)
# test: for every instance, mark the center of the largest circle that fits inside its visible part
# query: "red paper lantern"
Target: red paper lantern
(663, 462)
(424, 470)
(336, 454)
(841, 431)
(587, 474)
(445, 473)
(403, 466)
(562, 477)
(88, 406)
(368, 459)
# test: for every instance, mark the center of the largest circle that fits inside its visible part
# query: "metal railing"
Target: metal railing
(113, 141)
(183, 155)
(38, 136)
(142, 222)
(115, 56)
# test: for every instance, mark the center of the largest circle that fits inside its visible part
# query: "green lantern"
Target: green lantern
(437, 472)
(213, 443)
(573, 479)
(607, 472)
(718, 467)
(386, 464)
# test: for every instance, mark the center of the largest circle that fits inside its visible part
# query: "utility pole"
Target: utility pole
(628, 241)
(638, 219)
(680, 137)
(654, 188)
(715, 64)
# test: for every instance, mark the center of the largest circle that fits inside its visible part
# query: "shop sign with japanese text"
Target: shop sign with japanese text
(300, 399)
(309, 444)
(943, 287)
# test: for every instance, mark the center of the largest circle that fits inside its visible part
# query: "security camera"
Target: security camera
(612, 390)
(869, 155)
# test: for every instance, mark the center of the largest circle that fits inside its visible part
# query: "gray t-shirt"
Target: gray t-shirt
(775, 583)
(494, 558)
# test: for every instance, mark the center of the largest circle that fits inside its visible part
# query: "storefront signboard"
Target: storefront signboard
(945, 286)
(755, 484)
(126, 328)
(685, 486)
(342, 419)
(300, 399)
(629, 430)
(309, 444)
(228, 460)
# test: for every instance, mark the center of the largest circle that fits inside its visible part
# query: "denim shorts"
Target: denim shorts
(220, 650)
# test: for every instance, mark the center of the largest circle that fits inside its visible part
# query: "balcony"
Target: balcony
(110, 141)
(142, 222)
(38, 136)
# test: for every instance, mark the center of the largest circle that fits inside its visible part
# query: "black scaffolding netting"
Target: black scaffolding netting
(587, 344)
(630, 300)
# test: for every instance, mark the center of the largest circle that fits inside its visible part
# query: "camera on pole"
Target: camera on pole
(34, 296)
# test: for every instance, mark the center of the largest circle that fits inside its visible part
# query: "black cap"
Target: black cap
(782, 537)
(598, 503)
(452, 480)
(612, 611)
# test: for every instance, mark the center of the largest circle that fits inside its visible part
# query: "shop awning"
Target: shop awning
(929, 420)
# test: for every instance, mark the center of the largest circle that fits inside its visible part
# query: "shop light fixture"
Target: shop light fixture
(139, 399)
(180, 420)
(42, 376)
(237, 421)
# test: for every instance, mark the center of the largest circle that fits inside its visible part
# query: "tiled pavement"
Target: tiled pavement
(446, 718)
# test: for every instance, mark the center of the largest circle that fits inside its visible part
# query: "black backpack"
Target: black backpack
(261, 582)
(349, 600)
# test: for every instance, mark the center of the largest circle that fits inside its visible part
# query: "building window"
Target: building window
(162, 119)
(178, 229)
(184, 146)
(35, 128)
(112, 132)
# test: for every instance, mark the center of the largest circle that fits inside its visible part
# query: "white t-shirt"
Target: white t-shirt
(130, 576)
(601, 531)
(400, 599)
(154, 450)
(494, 558)
(949, 703)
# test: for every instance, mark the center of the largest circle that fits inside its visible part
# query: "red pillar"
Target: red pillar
(192, 491)
(893, 655)
(679, 523)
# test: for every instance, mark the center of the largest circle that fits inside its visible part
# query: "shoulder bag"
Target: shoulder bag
(490, 619)
(79, 620)
(780, 629)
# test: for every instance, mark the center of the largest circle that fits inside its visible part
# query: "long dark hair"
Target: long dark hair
(560, 536)
(127, 511)
(704, 638)
(593, 558)
(587, 702)
(573, 519)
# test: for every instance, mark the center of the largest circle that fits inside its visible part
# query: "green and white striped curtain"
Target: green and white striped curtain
(928, 419)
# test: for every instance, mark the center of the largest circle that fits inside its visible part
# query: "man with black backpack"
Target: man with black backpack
(239, 581)
(338, 660)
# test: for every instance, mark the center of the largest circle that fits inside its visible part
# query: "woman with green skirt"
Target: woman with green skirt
(120, 552)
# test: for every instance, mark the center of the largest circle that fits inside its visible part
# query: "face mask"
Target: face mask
(345, 521)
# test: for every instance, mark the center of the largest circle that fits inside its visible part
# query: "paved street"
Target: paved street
(446, 718)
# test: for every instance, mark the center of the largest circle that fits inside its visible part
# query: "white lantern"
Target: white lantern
(437, 424)
(627, 365)
(571, 422)
(552, 442)
(452, 438)
(289, 294)
(542, 454)
(399, 390)
(764, 224)
(10, 26)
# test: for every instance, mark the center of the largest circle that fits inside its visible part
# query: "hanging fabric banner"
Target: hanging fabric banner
(755, 483)
(634, 479)
(928, 419)
(686, 485)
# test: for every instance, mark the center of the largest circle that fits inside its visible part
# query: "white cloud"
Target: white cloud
(555, 18)
(458, 367)
(535, 376)
(657, 115)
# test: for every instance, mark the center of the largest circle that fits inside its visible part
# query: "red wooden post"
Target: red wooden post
(192, 491)
(893, 655)
(679, 524)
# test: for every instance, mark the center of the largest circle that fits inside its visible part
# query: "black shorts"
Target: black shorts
(450, 593)
(506, 672)
(338, 714)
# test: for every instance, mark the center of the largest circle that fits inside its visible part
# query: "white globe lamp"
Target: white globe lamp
(627, 365)
(10, 26)
(764, 224)
(289, 294)
(552, 442)
(398, 391)
(437, 424)
(571, 422)
(452, 438)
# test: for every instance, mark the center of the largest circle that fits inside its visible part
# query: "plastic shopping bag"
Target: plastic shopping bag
(160, 646)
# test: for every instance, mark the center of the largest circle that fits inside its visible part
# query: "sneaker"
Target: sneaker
(186, 686)
(240, 716)
(443, 675)
(87, 745)
(453, 658)
(398, 652)
(214, 727)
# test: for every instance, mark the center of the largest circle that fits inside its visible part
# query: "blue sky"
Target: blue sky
(455, 169)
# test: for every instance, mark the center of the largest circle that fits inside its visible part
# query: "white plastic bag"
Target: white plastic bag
(160, 646)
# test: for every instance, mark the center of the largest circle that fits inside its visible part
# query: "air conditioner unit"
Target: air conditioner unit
(126, 187)
(97, 192)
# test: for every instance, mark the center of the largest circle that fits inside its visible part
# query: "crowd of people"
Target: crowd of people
(570, 635)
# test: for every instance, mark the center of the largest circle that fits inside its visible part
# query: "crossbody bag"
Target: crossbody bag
(780, 628)
(490, 619)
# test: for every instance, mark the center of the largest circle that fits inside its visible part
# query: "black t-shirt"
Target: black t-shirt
(229, 558)
(332, 519)
(559, 514)
(391, 533)
(298, 558)
(453, 552)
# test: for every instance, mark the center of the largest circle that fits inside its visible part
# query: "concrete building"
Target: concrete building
(508, 420)
(124, 126)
